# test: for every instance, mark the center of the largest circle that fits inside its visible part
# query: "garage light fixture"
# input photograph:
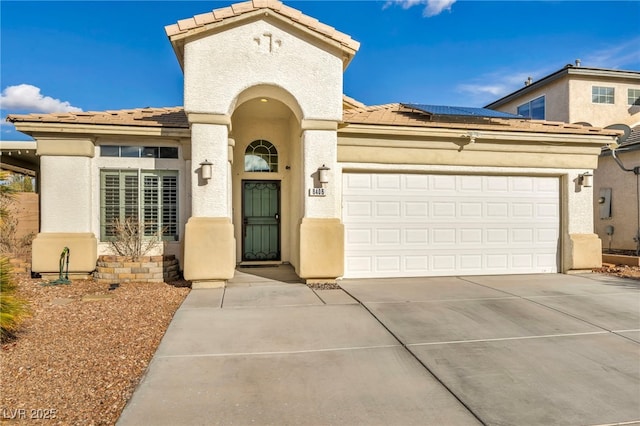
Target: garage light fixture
(323, 174)
(206, 170)
(586, 179)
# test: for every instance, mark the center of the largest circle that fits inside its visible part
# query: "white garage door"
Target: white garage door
(408, 225)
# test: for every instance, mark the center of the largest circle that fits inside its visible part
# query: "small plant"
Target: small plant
(10, 243)
(12, 308)
(20, 183)
(130, 239)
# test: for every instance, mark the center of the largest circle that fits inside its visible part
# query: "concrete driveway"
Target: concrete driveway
(508, 350)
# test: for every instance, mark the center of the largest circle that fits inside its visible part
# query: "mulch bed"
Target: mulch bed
(80, 355)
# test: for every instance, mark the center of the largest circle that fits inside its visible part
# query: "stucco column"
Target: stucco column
(209, 245)
(209, 142)
(321, 230)
(66, 199)
(320, 148)
(582, 248)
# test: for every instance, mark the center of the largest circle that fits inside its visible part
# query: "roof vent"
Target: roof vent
(578, 62)
(528, 82)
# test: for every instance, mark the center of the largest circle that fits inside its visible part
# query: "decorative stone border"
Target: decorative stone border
(20, 266)
(619, 259)
(149, 269)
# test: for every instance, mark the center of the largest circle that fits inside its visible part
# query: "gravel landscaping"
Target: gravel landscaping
(80, 355)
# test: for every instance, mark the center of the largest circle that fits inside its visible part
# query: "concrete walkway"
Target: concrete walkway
(517, 350)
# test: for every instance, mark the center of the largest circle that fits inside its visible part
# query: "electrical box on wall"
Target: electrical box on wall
(604, 200)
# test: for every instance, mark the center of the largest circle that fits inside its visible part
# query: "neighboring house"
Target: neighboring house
(268, 161)
(19, 161)
(19, 157)
(602, 98)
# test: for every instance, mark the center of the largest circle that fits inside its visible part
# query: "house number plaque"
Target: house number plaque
(317, 192)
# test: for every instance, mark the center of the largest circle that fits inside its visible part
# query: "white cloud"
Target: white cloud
(494, 85)
(616, 56)
(432, 7)
(28, 98)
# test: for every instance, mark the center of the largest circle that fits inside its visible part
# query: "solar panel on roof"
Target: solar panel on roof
(460, 111)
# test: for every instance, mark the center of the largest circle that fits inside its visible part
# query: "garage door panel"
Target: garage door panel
(387, 182)
(444, 236)
(388, 236)
(443, 182)
(356, 209)
(357, 182)
(443, 209)
(521, 184)
(470, 236)
(547, 210)
(430, 225)
(387, 209)
(445, 264)
(496, 184)
(470, 183)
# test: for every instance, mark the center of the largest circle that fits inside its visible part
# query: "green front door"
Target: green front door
(261, 220)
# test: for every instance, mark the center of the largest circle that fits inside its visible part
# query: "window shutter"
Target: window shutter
(150, 196)
(151, 206)
(170, 205)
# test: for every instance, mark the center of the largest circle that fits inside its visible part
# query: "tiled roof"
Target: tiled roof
(350, 103)
(386, 115)
(174, 117)
(396, 115)
(634, 137)
(184, 26)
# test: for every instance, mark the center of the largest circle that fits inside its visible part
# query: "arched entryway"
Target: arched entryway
(266, 175)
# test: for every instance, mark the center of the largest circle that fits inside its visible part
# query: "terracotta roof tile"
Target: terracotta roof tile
(222, 13)
(308, 21)
(391, 115)
(237, 9)
(187, 24)
(172, 29)
(357, 113)
(204, 18)
(271, 4)
(146, 117)
(290, 12)
(325, 29)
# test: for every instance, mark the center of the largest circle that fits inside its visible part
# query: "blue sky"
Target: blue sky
(93, 56)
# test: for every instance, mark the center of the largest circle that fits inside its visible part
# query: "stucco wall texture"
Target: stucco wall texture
(261, 53)
(625, 190)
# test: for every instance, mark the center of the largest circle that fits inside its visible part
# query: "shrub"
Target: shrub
(129, 238)
(12, 308)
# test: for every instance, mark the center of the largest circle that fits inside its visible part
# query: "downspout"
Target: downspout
(635, 170)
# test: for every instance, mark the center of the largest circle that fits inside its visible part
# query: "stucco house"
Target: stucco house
(603, 98)
(268, 161)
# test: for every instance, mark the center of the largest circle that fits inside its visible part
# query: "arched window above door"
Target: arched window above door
(261, 156)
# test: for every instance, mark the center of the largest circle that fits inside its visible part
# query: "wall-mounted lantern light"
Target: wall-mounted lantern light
(586, 179)
(206, 169)
(323, 174)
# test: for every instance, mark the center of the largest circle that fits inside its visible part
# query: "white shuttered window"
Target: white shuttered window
(150, 196)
